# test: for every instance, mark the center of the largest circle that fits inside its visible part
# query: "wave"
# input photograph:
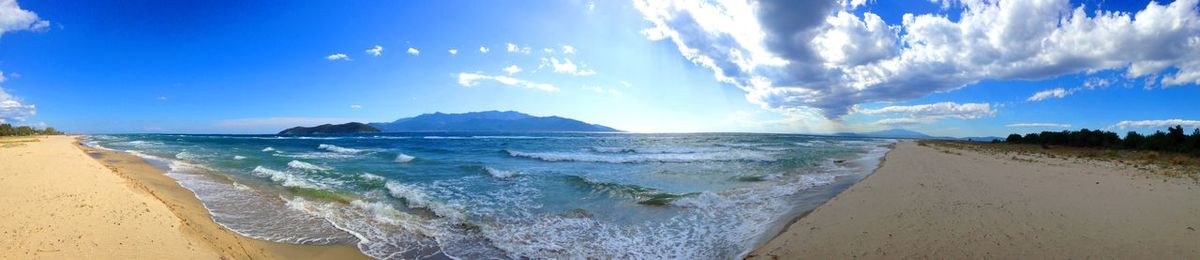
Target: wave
(643, 195)
(416, 197)
(403, 158)
(268, 149)
(306, 166)
(500, 174)
(338, 149)
(315, 155)
(732, 155)
(283, 178)
(239, 157)
(676, 150)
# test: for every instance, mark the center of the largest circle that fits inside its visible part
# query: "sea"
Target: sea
(511, 195)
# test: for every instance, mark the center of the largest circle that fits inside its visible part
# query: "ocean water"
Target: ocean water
(470, 196)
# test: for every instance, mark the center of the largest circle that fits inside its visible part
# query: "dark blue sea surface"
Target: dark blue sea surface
(512, 195)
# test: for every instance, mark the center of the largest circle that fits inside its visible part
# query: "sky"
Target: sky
(942, 67)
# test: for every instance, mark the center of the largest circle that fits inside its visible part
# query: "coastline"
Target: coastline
(65, 200)
(198, 222)
(942, 202)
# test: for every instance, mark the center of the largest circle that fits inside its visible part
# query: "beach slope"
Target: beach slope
(941, 202)
(58, 203)
(64, 201)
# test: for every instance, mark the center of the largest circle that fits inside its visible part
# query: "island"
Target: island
(347, 128)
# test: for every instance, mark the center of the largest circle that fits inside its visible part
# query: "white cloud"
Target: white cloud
(927, 113)
(453, 51)
(161, 98)
(483, 49)
(512, 69)
(548, 50)
(516, 49)
(472, 79)
(1054, 125)
(816, 54)
(1089, 84)
(1156, 123)
(942, 109)
(355, 107)
(626, 84)
(13, 18)
(1050, 93)
(568, 49)
(375, 51)
(602, 90)
(414, 51)
(337, 56)
(12, 109)
(567, 67)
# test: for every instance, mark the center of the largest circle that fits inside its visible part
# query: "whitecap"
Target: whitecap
(416, 197)
(239, 157)
(306, 166)
(268, 149)
(285, 179)
(338, 149)
(403, 158)
(501, 174)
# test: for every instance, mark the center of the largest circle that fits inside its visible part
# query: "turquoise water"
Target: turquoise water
(695, 196)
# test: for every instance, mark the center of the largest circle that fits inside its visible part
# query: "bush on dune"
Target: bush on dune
(1173, 140)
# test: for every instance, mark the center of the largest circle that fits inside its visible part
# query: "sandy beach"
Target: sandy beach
(63, 201)
(929, 201)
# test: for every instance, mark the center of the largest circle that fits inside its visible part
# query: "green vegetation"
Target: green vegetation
(1174, 140)
(9, 130)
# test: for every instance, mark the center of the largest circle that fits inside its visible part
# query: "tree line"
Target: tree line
(9, 130)
(1173, 140)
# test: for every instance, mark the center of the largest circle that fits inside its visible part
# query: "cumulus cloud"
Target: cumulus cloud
(375, 51)
(453, 51)
(355, 107)
(567, 67)
(466, 79)
(13, 18)
(12, 109)
(512, 69)
(568, 49)
(1156, 123)
(821, 55)
(511, 47)
(1039, 125)
(338, 56)
(483, 49)
(414, 51)
(926, 113)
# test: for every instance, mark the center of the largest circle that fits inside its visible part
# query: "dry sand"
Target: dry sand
(58, 202)
(947, 203)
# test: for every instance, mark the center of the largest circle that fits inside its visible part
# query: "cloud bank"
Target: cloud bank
(790, 55)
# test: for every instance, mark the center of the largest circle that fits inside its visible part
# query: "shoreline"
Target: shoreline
(927, 201)
(787, 224)
(197, 220)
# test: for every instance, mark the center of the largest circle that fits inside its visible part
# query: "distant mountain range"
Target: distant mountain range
(489, 121)
(347, 128)
(909, 134)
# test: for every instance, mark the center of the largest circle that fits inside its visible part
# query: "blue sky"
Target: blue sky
(245, 67)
